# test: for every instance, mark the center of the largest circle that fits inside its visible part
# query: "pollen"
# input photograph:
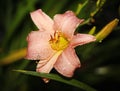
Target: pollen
(58, 42)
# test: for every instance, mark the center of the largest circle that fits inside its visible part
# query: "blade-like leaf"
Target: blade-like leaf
(56, 77)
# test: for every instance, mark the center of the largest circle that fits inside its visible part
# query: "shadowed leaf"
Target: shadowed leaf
(55, 77)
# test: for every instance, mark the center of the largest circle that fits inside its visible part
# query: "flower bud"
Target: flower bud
(105, 31)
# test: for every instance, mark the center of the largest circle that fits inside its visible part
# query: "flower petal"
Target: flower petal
(41, 20)
(46, 65)
(66, 23)
(38, 45)
(67, 62)
(81, 39)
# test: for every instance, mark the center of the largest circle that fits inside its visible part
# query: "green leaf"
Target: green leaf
(17, 18)
(56, 77)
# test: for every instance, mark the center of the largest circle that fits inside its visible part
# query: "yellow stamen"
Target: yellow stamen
(59, 42)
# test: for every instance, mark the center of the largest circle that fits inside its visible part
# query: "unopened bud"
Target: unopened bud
(92, 31)
(106, 30)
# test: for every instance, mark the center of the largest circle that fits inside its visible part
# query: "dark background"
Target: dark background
(100, 65)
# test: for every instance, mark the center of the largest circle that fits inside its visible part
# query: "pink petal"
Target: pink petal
(46, 65)
(67, 62)
(66, 23)
(41, 20)
(81, 39)
(38, 45)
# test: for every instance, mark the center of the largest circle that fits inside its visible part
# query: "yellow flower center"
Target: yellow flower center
(59, 41)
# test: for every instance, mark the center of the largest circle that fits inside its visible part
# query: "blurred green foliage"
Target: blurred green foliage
(100, 61)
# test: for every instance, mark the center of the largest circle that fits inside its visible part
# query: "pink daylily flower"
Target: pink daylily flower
(53, 44)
